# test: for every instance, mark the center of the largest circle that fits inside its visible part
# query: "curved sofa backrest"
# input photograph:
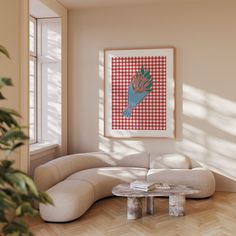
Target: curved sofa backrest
(140, 159)
(52, 172)
(169, 161)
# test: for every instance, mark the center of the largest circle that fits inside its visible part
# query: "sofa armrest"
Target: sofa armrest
(52, 172)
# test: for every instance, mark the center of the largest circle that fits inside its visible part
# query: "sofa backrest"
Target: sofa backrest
(169, 161)
(140, 159)
(58, 169)
(54, 171)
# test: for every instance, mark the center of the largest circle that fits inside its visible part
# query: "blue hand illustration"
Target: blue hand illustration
(134, 98)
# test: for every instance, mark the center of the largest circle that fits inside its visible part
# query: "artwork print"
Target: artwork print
(139, 93)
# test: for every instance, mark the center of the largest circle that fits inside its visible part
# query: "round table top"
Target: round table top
(124, 190)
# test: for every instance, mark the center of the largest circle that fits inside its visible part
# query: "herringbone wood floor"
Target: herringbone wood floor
(215, 216)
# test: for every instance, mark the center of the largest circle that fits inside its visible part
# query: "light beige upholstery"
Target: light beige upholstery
(104, 179)
(52, 172)
(73, 196)
(71, 199)
(169, 161)
(198, 178)
(76, 181)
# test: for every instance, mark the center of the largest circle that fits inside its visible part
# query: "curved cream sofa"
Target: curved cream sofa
(76, 181)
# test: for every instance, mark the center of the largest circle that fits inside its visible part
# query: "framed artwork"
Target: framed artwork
(139, 93)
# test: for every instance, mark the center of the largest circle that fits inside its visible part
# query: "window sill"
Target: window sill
(41, 147)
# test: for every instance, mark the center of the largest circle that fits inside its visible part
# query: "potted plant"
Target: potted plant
(19, 195)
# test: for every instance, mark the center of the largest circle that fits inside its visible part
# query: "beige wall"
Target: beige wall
(204, 36)
(13, 14)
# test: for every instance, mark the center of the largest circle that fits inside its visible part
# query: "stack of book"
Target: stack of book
(142, 185)
(163, 186)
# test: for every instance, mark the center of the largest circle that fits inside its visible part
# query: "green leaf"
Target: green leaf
(14, 135)
(142, 70)
(7, 202)
(146, 73)
(10, 111)
(14, 180)
(1, 96)
(29, 182)
(3, 128)
(45, 198)
(4, 51)
(7, 164)
(149, 86)
(16, 228)
(22, 183)
(3, 218)
(15, 146)
(4, 81)
(7, 118)
(26, 209)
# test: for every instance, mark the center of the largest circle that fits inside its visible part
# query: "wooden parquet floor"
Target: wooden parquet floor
(215, 216)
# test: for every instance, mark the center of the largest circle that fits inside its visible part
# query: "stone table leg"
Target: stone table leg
(176, 205)
(134, 208)
(149, 205)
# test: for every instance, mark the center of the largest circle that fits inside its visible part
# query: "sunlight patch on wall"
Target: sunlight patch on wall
(194, 100)
(209, 130)
(194, 134)
(222, 147)
(222, 113)
(192, 109)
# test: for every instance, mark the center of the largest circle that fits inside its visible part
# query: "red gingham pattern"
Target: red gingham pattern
(150, 114)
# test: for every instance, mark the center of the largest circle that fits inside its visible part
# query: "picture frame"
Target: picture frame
(139, 93)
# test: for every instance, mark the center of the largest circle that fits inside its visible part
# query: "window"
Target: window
(45, 80)
(33, 81)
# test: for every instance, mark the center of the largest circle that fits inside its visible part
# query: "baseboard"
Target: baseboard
(224, 183)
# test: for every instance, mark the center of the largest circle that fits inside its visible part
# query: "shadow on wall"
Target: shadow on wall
(209, 130)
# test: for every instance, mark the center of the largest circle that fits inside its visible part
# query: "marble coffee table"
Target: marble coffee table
(176, 194)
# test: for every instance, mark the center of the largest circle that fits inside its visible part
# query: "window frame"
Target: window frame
(40, 59)
(33, 57)
(34, 20)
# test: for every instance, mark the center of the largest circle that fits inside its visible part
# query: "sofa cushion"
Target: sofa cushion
(104, 179)
(169, 161)
(130, 160)
(198, 178)
(71, 199)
